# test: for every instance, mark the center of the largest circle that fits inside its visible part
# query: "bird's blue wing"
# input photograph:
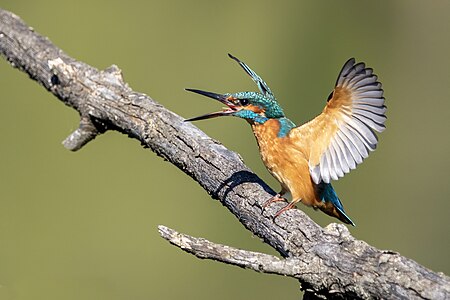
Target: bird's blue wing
(262, 86)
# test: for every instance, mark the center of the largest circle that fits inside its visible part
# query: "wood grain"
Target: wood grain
(331, 262)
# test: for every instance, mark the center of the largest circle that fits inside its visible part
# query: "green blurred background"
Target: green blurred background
(83, 225)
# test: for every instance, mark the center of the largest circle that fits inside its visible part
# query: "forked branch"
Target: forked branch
(329, 262)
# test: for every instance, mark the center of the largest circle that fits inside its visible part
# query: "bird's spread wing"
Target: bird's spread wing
(343, 134)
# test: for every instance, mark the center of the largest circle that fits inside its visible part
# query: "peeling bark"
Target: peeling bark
(329, 262)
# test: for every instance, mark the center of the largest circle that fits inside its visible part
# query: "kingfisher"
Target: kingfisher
(306, 158)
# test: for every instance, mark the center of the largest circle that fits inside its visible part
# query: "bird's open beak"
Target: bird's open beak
(225, 99)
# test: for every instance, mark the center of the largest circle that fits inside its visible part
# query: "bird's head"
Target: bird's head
(252, 106)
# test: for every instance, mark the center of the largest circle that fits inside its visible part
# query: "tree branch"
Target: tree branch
(255, 261)
(331, 262)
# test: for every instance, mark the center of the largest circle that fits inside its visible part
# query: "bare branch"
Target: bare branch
(296, 267)
(82, 135)
(337, 265)
(255, 261)
(259, 262)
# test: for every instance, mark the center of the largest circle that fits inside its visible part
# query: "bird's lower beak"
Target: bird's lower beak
(225, 99)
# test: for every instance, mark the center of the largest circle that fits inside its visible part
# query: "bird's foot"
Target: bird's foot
(287, 207)
(276, 198)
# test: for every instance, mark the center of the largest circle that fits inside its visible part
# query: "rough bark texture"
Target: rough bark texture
(260, 262)
(332, 263)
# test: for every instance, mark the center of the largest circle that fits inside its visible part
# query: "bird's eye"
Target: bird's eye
(243, 102)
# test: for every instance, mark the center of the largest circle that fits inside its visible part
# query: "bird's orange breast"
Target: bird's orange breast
(288, 164)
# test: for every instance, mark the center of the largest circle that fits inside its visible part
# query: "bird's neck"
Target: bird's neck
(285, 126)
(272, 128)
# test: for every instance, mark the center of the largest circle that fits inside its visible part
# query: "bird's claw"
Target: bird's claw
(287, 207)
(276, 198)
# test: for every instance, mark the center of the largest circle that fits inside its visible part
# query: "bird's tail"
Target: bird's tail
(332, 206)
